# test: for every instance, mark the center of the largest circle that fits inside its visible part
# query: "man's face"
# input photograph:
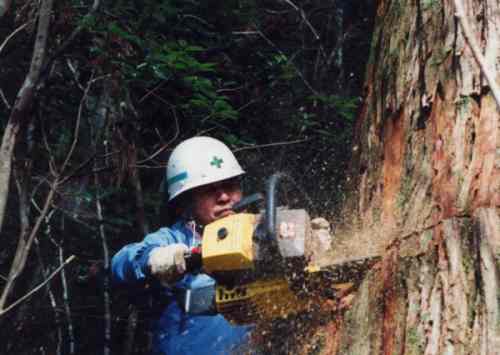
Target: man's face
(214, 201)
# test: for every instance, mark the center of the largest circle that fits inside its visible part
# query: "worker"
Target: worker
(203, 183)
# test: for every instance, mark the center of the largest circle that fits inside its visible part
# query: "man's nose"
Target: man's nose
(222, 195)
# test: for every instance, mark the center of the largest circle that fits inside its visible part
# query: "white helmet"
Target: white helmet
(199, 161)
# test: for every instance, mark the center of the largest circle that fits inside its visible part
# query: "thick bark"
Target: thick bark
(426, 172)
(429, 129)
(440, 297)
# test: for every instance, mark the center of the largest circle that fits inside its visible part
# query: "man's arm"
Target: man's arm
(160, 254)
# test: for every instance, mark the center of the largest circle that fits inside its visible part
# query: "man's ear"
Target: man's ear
(183, 205)
(171, 211)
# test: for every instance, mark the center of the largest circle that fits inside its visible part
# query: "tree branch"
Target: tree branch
(476, 52)
(67, 309)
(4, 7)
(166, 145)
(23, 248)
(271, 145)
(4, 99)
(20, 28)
(36, 289)
(24, 243)
(304, 18)
(52, 298)
(22, 104)
(297, 70)
(97, 131)
(106, 281)
(72, 36)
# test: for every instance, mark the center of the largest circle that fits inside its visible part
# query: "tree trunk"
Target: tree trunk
(23, 102)
(426, 171)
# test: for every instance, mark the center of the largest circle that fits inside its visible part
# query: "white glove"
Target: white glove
(167, 263)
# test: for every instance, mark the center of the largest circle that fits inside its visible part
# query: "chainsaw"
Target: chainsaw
(259, 262)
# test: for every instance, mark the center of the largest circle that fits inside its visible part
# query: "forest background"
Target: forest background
(94, 95)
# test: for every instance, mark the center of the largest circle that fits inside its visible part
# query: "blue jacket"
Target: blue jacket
(175, 332)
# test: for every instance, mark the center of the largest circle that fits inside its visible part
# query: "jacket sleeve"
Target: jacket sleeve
(130, 265)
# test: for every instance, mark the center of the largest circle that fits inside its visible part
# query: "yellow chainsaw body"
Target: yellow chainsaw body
(250, 285)
(258, 300)
(228, 244)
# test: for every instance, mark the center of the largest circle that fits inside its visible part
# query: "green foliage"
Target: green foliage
(177, 58)
(430, 4)
(345, 107)
(115, 29)
(162, 58)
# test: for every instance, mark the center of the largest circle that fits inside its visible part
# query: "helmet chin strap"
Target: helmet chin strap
(188, 216)
(197, 230)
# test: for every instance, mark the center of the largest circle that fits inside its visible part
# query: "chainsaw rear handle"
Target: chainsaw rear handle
(193, 260)
(243, 204)
(271, 191)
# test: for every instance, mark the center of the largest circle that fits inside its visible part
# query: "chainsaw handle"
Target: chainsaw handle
(241, 205)
(193, 260)
(271, 204)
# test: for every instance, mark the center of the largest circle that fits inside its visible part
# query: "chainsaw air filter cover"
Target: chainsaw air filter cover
(227, 244)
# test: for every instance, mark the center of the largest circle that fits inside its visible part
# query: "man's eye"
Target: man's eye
(230, 187)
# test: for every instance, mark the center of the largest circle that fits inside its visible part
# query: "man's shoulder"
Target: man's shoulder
(161, 233)
(173, 234)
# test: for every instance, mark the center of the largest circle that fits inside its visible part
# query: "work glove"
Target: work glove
(321, 231)
(167, 263)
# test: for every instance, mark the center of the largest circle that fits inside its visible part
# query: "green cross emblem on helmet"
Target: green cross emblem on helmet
(217, 162)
